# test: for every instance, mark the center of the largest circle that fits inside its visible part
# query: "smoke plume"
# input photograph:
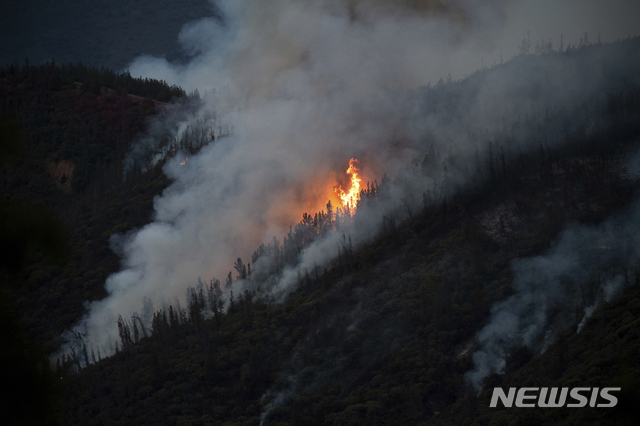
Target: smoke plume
(586, 265)
(302, 87)
(305, 86)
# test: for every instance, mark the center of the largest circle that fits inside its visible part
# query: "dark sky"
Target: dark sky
(114, 32)
(96, 32)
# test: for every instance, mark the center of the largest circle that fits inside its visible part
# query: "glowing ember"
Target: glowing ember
(350, 199)
(185, 161)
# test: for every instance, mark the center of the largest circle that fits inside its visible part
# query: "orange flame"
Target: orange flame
(350, 199)
(185, 161)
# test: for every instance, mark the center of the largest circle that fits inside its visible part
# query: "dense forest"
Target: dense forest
(66, 130)
(382, 335)
(379, 338)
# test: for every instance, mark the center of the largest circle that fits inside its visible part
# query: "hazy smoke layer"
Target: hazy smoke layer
(305, 86)
(585, 266)
(275, 48)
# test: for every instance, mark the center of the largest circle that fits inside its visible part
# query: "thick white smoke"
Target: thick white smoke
(305, 86)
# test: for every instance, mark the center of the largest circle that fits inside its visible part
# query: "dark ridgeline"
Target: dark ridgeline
(383, 334)
(39, 80)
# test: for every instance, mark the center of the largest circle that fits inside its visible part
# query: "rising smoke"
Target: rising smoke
(586, 265)
(306, 86)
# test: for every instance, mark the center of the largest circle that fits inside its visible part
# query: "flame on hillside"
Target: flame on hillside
(185, 161)
(350, 198)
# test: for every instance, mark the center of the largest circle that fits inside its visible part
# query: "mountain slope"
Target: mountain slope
(383, 334)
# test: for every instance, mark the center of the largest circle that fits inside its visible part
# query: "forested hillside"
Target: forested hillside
(382, 334)
(385, 333)
(65, 132)
(70, 128)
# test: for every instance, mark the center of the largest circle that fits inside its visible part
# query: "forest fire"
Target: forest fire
(350, 199)
(185, 161)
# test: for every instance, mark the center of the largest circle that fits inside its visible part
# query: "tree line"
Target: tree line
(52, 76)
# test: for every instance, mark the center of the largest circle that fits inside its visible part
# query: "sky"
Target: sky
(35, 29)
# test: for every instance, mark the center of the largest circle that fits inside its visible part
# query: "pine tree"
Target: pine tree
(241, 269)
